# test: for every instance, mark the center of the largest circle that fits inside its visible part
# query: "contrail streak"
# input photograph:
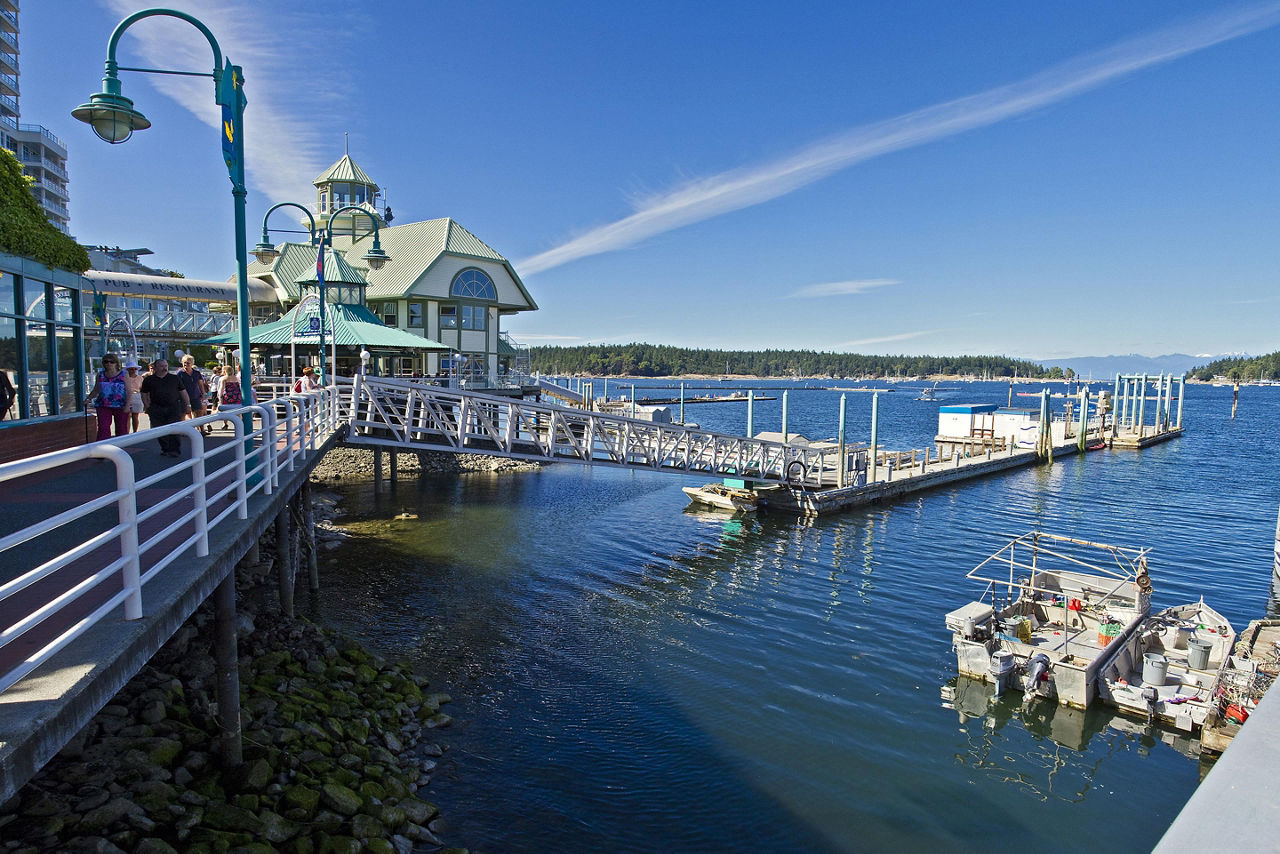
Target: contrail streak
(740, 188)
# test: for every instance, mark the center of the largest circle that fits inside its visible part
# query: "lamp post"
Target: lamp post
(365, 356)
(113, 118)
(266, 252)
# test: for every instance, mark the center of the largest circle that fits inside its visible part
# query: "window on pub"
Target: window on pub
(389, 316)
(448, 317)
(415, 314)
(473, 316)
(324, 201)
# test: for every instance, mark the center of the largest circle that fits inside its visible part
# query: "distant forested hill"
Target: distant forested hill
(650, 360)
(1241, 368)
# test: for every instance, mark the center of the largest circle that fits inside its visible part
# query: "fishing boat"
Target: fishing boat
(722, 497)
(1055, 612)
(1170, 669)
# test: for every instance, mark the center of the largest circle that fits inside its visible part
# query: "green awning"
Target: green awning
(350, 326)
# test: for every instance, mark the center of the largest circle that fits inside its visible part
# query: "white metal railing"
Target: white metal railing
(184, 500)
(422, 417)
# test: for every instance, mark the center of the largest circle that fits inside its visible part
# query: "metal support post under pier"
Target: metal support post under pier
(226, 654)
(286, 554)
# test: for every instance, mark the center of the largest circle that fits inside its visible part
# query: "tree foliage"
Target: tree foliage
(24, 229)
(1241, 368)
(652, 360)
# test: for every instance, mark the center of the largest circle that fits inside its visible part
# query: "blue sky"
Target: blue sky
(1028, 179)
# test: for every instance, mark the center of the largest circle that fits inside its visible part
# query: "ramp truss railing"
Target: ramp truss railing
(387, 413)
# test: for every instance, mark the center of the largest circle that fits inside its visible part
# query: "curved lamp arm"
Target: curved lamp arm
(375, 257)
(265, 251)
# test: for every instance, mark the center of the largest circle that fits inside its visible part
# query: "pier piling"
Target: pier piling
(285, 556)
(226, 653)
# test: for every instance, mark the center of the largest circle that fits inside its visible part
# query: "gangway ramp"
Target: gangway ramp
(406, 416)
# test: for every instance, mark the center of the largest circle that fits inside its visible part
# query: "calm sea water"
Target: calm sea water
(632, 676)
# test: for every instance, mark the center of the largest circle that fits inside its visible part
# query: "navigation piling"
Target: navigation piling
(875, 430)
(1129, 427)
(844, 466)
(751, 405)
(784, 416)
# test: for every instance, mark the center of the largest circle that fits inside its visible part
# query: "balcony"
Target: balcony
(9, 122)
(8, 20)
(44, 132)
(55, 188)
(59, 209)
(9, 84)
(10, 103)
(10, 39)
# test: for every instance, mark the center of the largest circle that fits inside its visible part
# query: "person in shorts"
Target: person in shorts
(194, 385)
(133, 389)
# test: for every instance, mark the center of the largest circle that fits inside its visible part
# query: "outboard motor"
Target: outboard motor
(1001, 669)
(1037, 670)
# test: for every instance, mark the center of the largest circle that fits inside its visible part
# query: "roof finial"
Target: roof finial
(346, 143)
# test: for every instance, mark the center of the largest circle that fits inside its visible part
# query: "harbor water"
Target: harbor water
(631, 675)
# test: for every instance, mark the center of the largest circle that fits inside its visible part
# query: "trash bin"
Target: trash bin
(1198, 653)
(1155, 667)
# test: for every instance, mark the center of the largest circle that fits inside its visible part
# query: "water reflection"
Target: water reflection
(1061, 759)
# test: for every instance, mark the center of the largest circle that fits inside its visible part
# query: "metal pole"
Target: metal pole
(1182, 390)
(284, 558)
(681, 403)
(784, 416)
(875, 427)
(751, 403)
(633, 400)
(1142, 407)
(227, 660)
(840, 479)
(1045, 441)
(1081, 440)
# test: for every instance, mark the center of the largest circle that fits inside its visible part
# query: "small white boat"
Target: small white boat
(1169, 669)
(722, 497)
(1055, 612)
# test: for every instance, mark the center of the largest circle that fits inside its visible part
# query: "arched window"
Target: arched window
(473, 284)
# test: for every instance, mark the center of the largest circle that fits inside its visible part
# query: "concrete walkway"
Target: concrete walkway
(40, 713)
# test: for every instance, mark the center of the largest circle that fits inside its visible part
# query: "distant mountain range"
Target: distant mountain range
(1106, 367)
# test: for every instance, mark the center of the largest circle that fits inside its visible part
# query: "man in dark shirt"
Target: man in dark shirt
(166, 402)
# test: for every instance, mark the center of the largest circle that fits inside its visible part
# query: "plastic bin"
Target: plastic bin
(1155, 667)
(1198, 653)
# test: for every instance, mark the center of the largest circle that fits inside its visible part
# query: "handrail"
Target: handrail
(214, 482)
(421, 416)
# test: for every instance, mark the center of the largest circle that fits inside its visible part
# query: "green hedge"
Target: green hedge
(24, 230)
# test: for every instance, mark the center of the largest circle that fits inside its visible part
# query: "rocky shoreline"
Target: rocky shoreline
(338, 745)
(348, 463)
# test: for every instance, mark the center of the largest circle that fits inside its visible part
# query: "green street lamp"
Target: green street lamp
(322, 239)
(113, 118)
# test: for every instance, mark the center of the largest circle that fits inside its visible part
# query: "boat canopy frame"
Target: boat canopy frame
(1130, 563)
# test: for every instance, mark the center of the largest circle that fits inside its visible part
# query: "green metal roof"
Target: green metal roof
(352, 325)
(416, 247)
(297, 263)
(344, 170)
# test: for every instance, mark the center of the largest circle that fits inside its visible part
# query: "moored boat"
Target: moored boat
(1169, 670)
(1055, 612)
(722, 497)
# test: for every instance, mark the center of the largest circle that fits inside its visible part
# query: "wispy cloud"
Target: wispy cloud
(836, 289)
(739, 188)
(284, 148)
(886, 339)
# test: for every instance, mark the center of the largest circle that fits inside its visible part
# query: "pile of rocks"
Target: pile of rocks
(345, 463)
(337, 745)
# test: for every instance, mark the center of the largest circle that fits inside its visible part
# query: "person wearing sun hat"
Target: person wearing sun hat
(133, 387)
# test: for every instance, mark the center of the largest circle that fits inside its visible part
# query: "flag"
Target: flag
(320, 267)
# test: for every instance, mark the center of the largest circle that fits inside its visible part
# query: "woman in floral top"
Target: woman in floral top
(109, 398)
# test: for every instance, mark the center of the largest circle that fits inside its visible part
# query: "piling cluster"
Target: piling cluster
(338, 745)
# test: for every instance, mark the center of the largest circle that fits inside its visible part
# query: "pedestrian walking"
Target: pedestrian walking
(165, 401)
(133, 388)
(229, 394)
(193, 383)
(109, 397)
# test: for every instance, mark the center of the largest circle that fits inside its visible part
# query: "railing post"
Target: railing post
(242, 491)
(199, 494)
